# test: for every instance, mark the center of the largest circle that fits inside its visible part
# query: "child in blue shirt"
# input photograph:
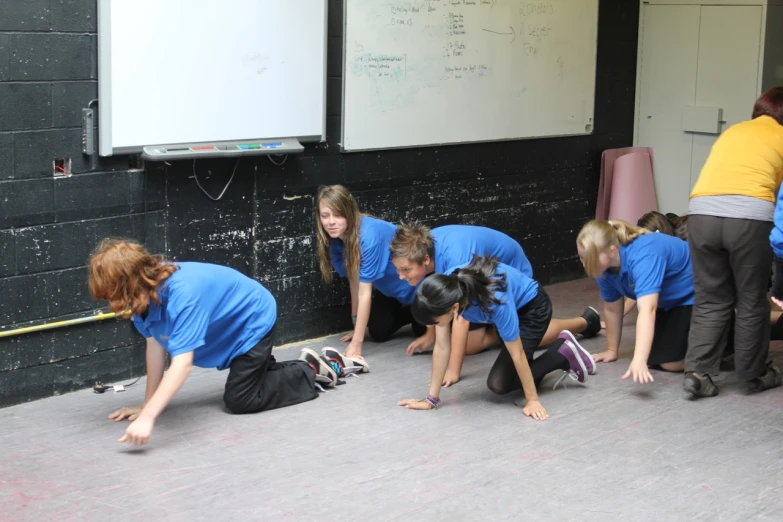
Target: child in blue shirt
(203, 315)
(356, 246)
(653, 269)
(418, 252)
(488, 292)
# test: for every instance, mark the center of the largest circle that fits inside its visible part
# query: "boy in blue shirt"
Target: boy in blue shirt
(418, 252)
(203, 315)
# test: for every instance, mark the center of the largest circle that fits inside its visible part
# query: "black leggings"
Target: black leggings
(534, 320)
(388, 315)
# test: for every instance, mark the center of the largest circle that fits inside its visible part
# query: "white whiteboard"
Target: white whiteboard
(422, 72)
(192, 71)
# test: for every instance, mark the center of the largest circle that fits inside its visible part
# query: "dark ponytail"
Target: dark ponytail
(474, 285)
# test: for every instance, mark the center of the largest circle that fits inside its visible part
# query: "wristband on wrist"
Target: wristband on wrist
(434, 401)
(353, 319)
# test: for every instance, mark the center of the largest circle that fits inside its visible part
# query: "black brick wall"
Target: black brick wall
(48, 226)
(538, 191)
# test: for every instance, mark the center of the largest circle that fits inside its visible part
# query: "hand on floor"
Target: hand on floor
(416, 404)
(450, 378)
(126, 413)
(421, 344)
(347, 337)
(536, 410)
(606, 356)
(640, 372)
(138, 433)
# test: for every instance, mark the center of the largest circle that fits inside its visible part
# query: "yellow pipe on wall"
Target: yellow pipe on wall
(68, 322)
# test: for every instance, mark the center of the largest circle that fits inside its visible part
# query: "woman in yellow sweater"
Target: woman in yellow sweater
(730, 218)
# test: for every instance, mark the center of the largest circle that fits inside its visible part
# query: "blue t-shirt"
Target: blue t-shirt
(212, 310)
(520, 290)
(776, 236)
(456, 244)
(652, 264)
(375, 237)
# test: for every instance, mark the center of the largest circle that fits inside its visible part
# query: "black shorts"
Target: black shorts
(534, 319)
(670, 340)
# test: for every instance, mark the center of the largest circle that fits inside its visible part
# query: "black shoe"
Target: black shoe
(593, 319)
(699, 385)
(770, 379)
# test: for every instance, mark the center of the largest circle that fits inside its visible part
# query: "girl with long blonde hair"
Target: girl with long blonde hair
(357, 247)
(653, 269)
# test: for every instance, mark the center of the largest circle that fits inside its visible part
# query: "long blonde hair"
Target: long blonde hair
(343, 204)
(598, 236)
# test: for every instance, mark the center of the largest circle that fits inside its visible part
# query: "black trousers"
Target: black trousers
(731, 259)
(257, 382)
(534, 320)
(388, 315)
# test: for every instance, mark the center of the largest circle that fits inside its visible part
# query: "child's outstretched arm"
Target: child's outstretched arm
(613, 315)
(139, 431)
(645, 330)
(533, 408)
(156, 364)
(364, 298)
(440, 360)
(459, 342)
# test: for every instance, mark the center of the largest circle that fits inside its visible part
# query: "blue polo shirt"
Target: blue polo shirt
(776, 236)
(652, 264)
(456, 244)
(520, 290)
(375, 236)
(212, 310)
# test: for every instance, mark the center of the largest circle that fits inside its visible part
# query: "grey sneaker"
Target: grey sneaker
(324, 374)
(593, 319)
(770, 379)
(699, 385)
(348, 365)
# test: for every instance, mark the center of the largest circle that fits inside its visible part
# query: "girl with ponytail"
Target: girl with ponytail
(486, 291)
(653, 269)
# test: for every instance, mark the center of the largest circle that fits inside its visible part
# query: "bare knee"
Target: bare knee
(481, 339)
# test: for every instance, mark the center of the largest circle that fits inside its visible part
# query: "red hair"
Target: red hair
(770, 104)
(123, 273)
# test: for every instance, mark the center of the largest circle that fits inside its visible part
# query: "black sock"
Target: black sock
(548, 362)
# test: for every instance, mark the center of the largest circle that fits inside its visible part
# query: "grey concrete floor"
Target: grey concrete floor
(611, 450)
